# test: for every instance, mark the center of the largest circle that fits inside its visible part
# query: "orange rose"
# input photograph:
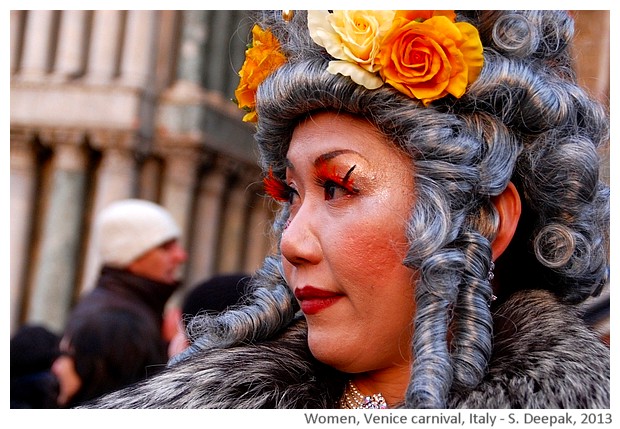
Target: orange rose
(421, 15)
(261, 59)
(428, 60)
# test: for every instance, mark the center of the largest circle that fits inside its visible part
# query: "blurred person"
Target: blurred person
(102, 354)
(211, 296)
(138, 242)
(33, 349)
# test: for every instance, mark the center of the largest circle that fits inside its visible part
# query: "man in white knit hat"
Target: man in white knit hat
(138, 242)
(140, 237)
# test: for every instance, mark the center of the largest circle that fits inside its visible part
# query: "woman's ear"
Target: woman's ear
(508, 205)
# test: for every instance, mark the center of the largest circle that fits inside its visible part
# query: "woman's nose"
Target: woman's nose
(300, 243)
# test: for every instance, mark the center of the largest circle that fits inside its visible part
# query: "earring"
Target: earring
(491, 275)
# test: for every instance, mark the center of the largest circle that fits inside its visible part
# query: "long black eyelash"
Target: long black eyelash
(323, 177)
(345, 179)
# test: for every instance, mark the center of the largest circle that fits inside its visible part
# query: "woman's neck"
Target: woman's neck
(390, 382)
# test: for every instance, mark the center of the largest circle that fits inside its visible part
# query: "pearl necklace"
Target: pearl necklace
(353, 399)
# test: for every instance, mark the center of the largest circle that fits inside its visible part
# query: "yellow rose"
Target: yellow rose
(353, 38)
(261, 59)
(428, 60)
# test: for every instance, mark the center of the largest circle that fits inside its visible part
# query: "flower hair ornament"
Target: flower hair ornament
(262, 58)
(425, 54)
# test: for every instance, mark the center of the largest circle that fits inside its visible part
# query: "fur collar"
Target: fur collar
(544, 357)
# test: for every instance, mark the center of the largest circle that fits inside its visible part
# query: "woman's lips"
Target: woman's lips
(312, 300)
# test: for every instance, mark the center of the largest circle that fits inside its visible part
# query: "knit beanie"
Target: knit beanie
(127, 229)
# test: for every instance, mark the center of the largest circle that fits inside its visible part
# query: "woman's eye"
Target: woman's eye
(334, 190)
(335, 186)
(291, 194)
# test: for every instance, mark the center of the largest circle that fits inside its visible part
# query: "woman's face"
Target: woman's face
(351, 195)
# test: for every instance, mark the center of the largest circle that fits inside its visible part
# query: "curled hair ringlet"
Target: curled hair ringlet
(515, 34)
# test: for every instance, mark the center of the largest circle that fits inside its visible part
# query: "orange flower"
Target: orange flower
(430, 59)
(422, 15)
(261, 59)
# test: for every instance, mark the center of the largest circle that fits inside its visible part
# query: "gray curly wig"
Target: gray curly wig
(525, 120)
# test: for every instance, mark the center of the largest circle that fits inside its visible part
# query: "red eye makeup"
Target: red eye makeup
(325, 175)
(277, 188)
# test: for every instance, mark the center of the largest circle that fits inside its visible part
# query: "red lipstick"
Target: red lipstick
(312, 300)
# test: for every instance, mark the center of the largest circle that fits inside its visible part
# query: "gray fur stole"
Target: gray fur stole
(543, 357)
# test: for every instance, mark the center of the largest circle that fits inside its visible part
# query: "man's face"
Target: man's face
(160, 263)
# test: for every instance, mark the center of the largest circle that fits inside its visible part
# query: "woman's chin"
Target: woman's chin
(332, 352)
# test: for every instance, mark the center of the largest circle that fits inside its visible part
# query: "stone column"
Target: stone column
(233, 237)
(139, 51)
(104, 48)
(181, 111)
(37, 44)
(260, 241)
(116, 179)
(60, 241)
(17, 26)
(179, 180)
(70, 58)
(23, 182)
(206, 225)
(167, 40)
(191, 65)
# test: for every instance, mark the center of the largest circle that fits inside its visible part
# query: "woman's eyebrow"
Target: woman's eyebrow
(333, 154)
(325, 157)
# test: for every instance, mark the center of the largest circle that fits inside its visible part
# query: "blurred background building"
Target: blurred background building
(111, 104)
